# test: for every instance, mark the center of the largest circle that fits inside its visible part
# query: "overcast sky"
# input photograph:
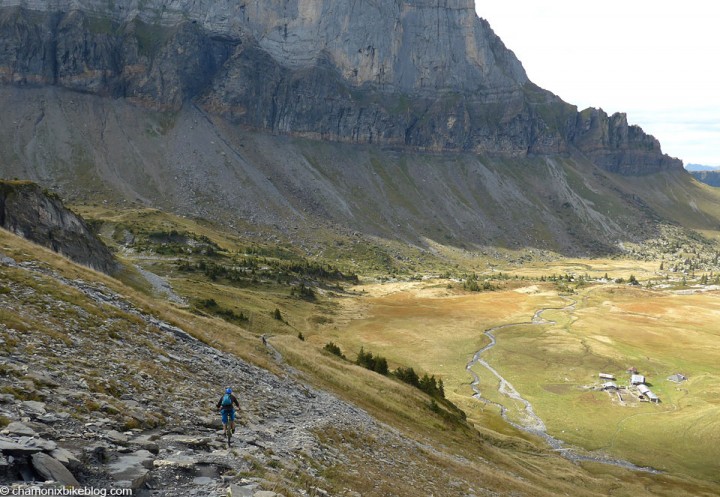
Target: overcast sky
(658, 61)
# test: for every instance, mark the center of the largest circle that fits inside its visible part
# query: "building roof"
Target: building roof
(609, 384)
(637, 378)
(643, 388)
(677, 377)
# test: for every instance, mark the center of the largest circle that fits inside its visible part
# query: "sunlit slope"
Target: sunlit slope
(365, 463)
(680, 197)
(610, 330)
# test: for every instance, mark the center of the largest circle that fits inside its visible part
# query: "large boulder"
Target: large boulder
(9, 446)
(52, 469)
(132, 470)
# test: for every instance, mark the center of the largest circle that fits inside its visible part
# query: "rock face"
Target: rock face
(25, 209)
(412, 73)
(618, 147)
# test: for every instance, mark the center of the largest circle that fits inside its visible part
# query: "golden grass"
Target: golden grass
(435, 329)
(610, 330)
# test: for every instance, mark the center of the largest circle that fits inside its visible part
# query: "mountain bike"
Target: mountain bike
(228, 432)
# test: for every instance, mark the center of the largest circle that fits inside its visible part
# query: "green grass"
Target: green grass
(660, 334)
(435, 327)
(612, 327)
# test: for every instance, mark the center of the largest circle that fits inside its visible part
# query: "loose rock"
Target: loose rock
(52, 469)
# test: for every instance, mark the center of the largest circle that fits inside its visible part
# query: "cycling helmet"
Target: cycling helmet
(228, 390)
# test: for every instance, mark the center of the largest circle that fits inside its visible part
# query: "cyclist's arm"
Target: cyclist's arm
(235, 401)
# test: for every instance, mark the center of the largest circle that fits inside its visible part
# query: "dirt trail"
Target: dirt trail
(531, 422)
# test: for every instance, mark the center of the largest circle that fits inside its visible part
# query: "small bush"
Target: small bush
(305, 292)
(227, 314)
(429, 384)
(407, 375)
(371, 362)
(334, 349)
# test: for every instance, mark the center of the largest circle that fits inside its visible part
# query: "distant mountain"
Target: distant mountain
(710, 177)
(698, 167)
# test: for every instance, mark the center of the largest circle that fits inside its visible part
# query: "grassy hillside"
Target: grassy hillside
(556, 365)
(435, 326)
(489, 455)
(411, 257)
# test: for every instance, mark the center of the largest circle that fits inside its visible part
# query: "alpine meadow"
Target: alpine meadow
(419, 272)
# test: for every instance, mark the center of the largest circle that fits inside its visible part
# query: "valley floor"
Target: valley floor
(544, 369)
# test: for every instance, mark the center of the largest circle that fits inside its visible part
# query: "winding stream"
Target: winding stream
(531, 422)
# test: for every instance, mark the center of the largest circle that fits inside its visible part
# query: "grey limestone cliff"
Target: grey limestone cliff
(427, 75)
(28, 211)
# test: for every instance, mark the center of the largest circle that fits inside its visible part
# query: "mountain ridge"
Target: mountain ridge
(200, 165)
(463, 91)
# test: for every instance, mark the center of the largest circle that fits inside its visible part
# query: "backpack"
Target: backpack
(227, 400)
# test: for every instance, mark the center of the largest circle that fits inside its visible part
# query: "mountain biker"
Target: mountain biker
(225, 405)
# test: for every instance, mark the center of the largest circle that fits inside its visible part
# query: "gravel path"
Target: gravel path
(160, 286)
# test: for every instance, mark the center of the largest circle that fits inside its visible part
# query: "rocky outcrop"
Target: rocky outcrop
(41, 217)
(420, 74)
(618, 147)
(197, 164)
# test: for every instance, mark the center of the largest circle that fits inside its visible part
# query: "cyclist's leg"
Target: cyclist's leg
(224, 420)
(232, 421)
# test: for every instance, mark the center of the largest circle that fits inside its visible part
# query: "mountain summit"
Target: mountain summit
(403, 120)
(427, 75)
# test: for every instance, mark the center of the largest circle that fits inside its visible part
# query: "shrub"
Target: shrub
(407, 375)
(471, 284)
(208, 303)
(371, 362)
(305, 292)
(334, 349)
(212, 306)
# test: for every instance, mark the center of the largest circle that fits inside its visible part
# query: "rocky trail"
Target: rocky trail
(530, 422)
(88, 402)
